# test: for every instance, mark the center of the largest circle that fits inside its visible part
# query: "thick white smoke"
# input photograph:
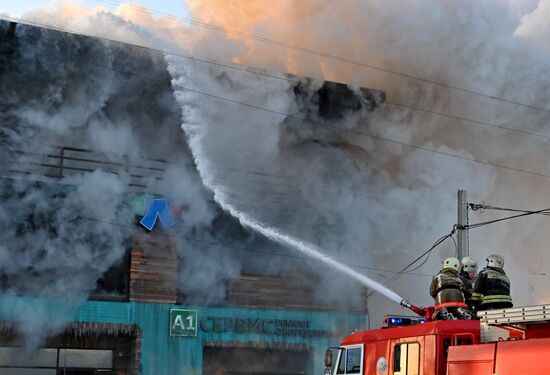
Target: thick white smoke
(62, 232)
(364, 200)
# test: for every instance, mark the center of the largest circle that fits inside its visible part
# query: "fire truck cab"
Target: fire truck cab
(503, 342)
(405, 345)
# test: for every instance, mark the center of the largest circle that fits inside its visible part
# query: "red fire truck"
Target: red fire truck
(512, 341)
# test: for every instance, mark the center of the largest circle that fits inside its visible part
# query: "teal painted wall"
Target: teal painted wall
(162, 354)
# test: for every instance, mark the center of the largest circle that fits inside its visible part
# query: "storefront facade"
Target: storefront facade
(176, 339)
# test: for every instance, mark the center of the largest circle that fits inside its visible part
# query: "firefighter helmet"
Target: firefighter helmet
(495, 260)
(453, 263)
(469, 265)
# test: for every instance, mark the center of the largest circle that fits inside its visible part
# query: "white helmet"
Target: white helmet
(453, 263)
(469, 264)
(495, 260)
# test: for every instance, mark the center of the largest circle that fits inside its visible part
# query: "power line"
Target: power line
(525, 213)
(323, 54)
(284, 78)
(246, 69)
(355, 132)
(473, 226)
(315, 122)
(483, 206)
(373, 137)
(427, 253)
(256, 173)
(469, 120)
(351, 131)
(214, 243)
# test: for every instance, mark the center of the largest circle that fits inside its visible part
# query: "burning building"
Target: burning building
(114, 257)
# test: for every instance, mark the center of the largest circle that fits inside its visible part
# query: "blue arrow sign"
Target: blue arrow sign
(157, 209)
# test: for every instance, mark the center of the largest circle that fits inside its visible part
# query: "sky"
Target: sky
(173, 7)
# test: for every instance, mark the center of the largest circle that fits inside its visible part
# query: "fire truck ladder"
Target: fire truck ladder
(501, 324)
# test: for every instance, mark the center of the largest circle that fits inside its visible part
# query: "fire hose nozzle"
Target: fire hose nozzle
(426, 312)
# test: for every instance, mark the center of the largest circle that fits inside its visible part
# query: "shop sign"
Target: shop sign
(272, 327)
(183, 322)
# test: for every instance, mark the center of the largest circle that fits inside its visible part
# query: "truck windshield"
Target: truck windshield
(349, 361)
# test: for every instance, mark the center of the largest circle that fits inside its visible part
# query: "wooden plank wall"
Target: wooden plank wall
(153, 269)
(154, 278)
(260, 291)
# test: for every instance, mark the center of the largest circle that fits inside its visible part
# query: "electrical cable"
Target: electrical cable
(428, 252)
(405, 270)
(468, 120)
(257, 72)
(241, 68)
(324, 54)
(262, 174)
(483, 206)
(456, 245)
(528, 213)
(383, 139)
(351, 131)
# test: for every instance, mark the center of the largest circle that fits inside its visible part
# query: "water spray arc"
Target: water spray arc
(305, 248)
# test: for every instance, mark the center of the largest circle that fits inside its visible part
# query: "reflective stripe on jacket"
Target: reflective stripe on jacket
(497, 298)
(446, 287)
(492, 286)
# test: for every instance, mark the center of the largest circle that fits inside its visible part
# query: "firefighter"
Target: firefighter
(468, 274)
(447, 289)
(492, 286)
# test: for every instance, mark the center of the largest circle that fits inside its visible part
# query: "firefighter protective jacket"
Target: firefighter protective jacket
(446, 287)
(492, 289)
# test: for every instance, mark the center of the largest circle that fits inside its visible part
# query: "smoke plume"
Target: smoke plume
(334, 181)
(64, 226)
(365, 200)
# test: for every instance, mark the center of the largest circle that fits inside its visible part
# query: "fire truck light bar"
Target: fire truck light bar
(402, 321)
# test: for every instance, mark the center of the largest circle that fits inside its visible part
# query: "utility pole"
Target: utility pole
(367, 308)
(462, 234)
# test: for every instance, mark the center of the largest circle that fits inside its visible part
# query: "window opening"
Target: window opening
(406, 359)
(350, 360)
(446, 344)
(114, 284)
(353, 361)
(397, 359)
(52, 361)
(342, 362)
